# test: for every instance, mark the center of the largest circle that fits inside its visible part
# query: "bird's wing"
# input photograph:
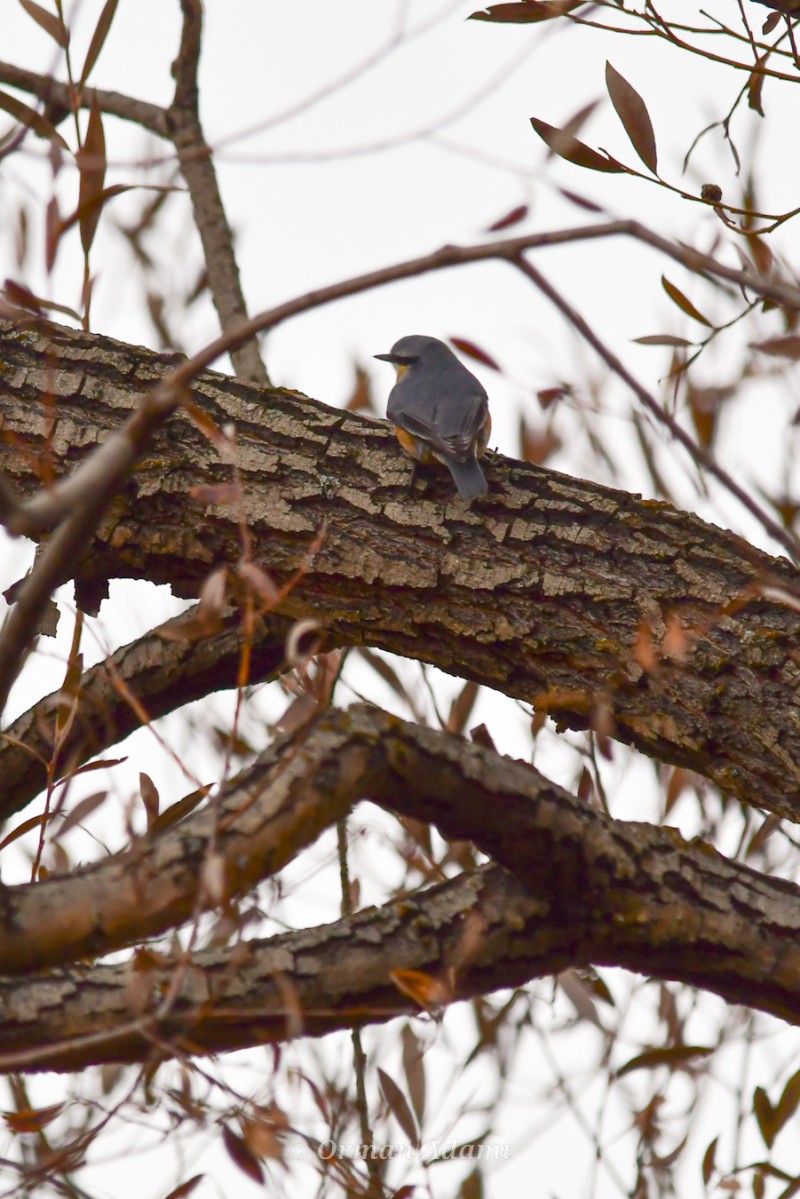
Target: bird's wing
(450, 422)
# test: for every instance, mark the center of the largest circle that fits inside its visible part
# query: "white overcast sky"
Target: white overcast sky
(355, 134)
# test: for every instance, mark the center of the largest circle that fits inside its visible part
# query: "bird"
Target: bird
(439, 410)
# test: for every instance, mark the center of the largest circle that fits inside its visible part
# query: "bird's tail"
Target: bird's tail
(468, 478)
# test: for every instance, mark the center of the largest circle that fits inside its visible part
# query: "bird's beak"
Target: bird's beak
(386, 357)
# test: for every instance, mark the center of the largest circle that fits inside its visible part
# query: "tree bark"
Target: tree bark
(592, 604)
(587, 889)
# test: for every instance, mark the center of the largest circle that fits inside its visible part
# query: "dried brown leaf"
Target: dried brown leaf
(91, 207)
(755, 86)
(185, 1188)
(536, 445)
(82, 810)
(643, 649)
(525, 12)
(662, 339)
(683, 302)
(765, 1116)
(399, 1106)
(676, 1057)
(261, 583)
(511, 218)
(93, 53)
(361, 396)
(414, 1069)
(580, 201)
(31, 119)
(241, 1155)
(26, 826)
(50, 22)
(574, 151)
(471, 350)
(708, 1161)
(178, 811)
(632, 111)
(150, 797)
(32, 1119)
(461, 707)
(91, 160)
(429, 992)
(779, 347)
(52, 233)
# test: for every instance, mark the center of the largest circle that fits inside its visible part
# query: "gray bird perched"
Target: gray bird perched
(439, 410)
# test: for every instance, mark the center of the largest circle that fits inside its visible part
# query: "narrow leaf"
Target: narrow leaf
(179, 811)
(32, 1119)
(580, 201)
(33, 120)
(98, 764)
(676, 1057)
(399, 1106)
(239, 1153)
(414, 1068)
(511, 218)
(765, 1116)
(93, 53)
(50, 22)
(662, 339)
(779, 347)
(150, 797)
(92, 165)
(574, 151)
(82, 810)
(708, 1161)
(683, 302)
(755, 86)
(472, 351)
(788, 1102)
(185, 1188)
(632, 111)
(25, 827)
(526, 12)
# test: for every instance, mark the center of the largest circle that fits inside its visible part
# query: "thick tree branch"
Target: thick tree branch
(306, 983)
(101, 479)
(159, 674)
(46, 509)
(593, 890)
(542, 590)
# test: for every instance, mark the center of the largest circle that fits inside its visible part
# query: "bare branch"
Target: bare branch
(782, 292)
(58, 99)
(197, 167)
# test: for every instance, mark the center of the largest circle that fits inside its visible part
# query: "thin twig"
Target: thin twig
(359, 1056)
(197, 167)
(58, 99)
(700, 456)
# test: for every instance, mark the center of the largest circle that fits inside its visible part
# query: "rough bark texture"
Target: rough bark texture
(541, 590)
(589, 890)
(151, 676)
